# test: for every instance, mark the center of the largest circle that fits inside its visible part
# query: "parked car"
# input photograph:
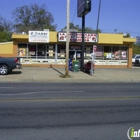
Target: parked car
(137, 61)
(9, 64)
(134, 58)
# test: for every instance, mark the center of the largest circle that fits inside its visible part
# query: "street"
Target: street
(68, 111)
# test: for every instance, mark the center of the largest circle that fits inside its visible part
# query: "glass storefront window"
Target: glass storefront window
(116, 53)
(75, 52)
(32, 50)
(100, 53)
(123, 55)
(61, 52)
(22, 50)
(51, 51)
(88, 52)
(41, 51)
(107, 53)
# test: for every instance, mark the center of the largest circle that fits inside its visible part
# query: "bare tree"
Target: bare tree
(5, 25)
(32, 17)
(87, 29)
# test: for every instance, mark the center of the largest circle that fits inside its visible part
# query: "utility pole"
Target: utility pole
(67, 39)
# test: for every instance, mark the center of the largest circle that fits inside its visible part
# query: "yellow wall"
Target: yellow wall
(53, 37)
(110, 38)
(6, 48)
(129, 40)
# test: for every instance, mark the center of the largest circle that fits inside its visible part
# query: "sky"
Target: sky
(120, 15)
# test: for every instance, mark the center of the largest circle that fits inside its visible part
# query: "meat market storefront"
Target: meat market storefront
(46, 48)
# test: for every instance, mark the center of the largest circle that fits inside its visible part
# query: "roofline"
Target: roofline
(6, 42)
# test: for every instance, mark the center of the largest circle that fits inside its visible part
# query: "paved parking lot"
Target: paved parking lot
(37, 74)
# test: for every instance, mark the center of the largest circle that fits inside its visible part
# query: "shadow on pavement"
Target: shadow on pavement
(15, 72)
(58, 71)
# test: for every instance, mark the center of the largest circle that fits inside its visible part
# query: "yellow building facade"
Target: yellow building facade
(47, 48)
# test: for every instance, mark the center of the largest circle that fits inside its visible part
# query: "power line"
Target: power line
(120, 30)
(74, 15)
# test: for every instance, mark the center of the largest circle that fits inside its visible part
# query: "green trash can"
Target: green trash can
(75, 66)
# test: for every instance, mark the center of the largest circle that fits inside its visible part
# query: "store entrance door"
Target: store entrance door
(75, 54)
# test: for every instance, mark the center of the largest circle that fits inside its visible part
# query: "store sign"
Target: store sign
(83, 7)
(39, 36)
(77, 37)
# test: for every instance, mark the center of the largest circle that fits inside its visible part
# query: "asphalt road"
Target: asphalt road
(68, 111)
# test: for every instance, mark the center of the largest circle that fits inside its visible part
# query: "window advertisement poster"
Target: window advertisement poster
(117, 54)
(94, 48)
(99, 51)
(22, 52)
(78, 55)
(123, 54)
(108, 55)
(32, 50)
(39, 36)
(77, 37)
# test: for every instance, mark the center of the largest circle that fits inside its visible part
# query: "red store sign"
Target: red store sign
(77, 37)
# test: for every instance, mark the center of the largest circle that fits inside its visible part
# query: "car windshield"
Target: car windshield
(133, 56)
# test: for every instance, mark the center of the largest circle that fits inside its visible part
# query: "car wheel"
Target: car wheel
(3, 69)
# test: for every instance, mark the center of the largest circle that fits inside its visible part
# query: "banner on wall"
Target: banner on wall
(77, 37)
(39, 36)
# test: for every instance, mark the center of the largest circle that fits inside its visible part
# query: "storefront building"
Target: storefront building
(47, 48)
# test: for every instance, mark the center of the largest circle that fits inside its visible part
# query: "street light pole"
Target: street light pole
(83, 43)
(93, 54)
(98, 17)
(67, 39)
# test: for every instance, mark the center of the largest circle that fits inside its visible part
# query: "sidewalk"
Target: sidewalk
(36, 74)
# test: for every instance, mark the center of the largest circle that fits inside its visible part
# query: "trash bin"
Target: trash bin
(70, 64)
(75, 66)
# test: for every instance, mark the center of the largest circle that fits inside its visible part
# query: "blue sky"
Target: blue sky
(122, 15)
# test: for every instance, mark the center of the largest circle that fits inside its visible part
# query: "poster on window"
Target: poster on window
(108, 55)
(117, 54)
(78, 55)
(22, 52)
(123, 54)
(32, 50)
(99, 51)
